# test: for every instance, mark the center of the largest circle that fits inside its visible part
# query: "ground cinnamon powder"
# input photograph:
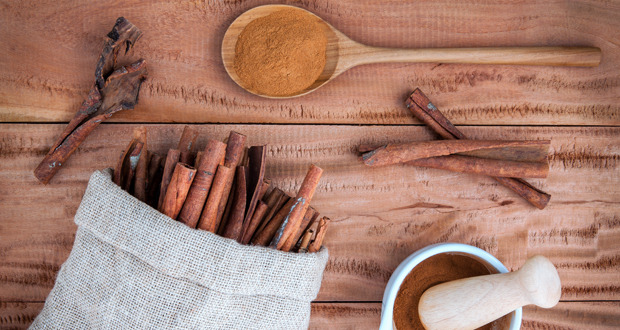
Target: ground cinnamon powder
(281, 54)
(435, 270)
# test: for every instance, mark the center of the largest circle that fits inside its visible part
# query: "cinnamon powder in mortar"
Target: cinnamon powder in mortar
(435, 270)
(281, 54)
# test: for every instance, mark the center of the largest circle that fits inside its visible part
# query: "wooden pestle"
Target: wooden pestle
(473, 302)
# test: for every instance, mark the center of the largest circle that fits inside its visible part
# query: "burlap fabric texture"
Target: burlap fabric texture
(132, 267)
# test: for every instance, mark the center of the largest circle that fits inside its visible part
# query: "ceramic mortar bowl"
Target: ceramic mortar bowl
(401, 272)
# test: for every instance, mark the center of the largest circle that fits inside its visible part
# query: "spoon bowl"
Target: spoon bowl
(334, 39)
(342, 53)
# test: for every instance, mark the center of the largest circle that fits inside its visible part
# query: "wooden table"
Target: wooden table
(48, 52)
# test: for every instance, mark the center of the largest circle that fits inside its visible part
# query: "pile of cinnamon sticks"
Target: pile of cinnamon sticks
(222, 189)
(508, 162)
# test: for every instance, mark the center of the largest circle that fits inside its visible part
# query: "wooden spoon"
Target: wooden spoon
(472, 302)
(343, 53)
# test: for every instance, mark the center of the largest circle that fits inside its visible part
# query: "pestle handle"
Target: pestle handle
(473, 302)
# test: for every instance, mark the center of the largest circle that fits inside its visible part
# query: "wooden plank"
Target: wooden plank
(18, 315)
(47, 69)
(380, 215)
(566, 315)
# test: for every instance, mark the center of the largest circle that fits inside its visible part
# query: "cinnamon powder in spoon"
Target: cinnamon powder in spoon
(281, 54)
(435, 270)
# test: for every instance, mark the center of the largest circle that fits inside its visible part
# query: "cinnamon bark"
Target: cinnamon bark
(404, 152)
(208, 219)
(234, 227)
(155, 172)
(139, 184)
(205, 172)
(276, 199)
(178, 188)
(310, 215)
(198, 158)
(187, 144)
(266, 235)
(533, 165)
(264, 188)
(489, 167)
(126, 167)
(171, 161)
(424, 110)
(256, 172)
(114, 90)
(234, 154)
(320, 235)
(305, 241)
(302, 202)
(257, 218)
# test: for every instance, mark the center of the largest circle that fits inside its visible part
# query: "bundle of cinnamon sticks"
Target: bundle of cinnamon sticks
(223, 189)
(508, 162)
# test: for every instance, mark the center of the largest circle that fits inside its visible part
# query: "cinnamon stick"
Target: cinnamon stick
(155, 172)
(276, 199)
(234, 227)
(171, 161)
(208, 219)
(178, 188)
(267, 233)
(187, 144)
(234, 154)
(115, 89)
(310, 215)
(489, 167)
(126, 167)
(264, 188)
(404, 152)
(198, 158)
(302, 202)
(305, 241)
(205, 172)
(257, 218)
(256, 172)
(320, 235)
(139, 184)
(533, 166)
(424, 110)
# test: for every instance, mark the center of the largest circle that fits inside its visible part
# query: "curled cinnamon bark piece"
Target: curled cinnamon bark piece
(187, 145)
(404, 152)
(293, 220)
(234, 226)
(424, 110)
(305, 240)
(178, 188)
(140, 179)
(205, 172)
(127, 164)
(320, 235)
(172, 158)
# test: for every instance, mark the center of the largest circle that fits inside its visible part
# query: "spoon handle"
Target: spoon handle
(555, 56)
(473, 302)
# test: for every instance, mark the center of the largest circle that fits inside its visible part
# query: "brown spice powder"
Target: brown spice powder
(435, 270)
(281, 54)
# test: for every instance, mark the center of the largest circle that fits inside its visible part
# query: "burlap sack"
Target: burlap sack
(132, 267)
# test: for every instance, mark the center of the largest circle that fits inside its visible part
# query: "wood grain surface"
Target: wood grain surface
(389, 211)
(566, 315)
(48, 53)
